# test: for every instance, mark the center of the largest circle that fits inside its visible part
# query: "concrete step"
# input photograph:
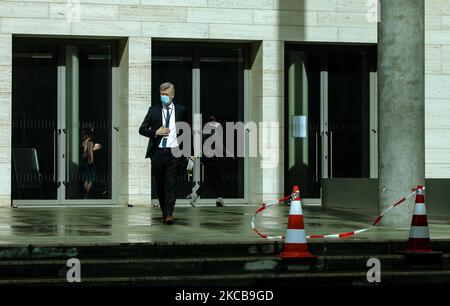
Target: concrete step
(248, 262)
(14, 269)
(388, 278)
(216, 249)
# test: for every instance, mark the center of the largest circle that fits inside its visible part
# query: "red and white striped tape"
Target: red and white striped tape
(339, 235)
(264, 207)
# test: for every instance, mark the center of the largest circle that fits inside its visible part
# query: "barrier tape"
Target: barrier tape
(264, 207)
(339, 235)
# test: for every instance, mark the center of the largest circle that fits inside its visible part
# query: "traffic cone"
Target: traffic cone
(295, 245)
(295, 192)
(419, 235)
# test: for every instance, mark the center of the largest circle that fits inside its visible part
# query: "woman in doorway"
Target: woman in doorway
(213, 169)
(88, 169)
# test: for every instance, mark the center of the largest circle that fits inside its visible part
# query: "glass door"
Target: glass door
(209, 81)
(329, 94)
(35, 122)
(174, 64)
(62, 91)
(303, 163)
(88, 114)
(348, 114)
(222, 96)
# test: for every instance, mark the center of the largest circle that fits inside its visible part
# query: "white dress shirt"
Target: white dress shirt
(172, 137)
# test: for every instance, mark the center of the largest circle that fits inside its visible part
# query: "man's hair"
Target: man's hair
(166, 85)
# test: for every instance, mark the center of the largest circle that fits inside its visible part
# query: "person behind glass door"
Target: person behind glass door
(159, 127)
(213, 169)
(88, 169)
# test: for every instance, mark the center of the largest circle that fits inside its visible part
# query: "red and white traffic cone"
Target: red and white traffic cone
(295, 245)
(419, 235)
(295, 192)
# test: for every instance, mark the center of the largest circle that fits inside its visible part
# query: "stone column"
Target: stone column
(5, 118)
(139, 100)
(401, 74)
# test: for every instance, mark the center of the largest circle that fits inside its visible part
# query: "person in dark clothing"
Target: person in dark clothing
(213, 169)
(87, 163)
(159, 126)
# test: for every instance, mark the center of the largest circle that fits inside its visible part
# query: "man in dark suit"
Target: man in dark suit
(159, 126)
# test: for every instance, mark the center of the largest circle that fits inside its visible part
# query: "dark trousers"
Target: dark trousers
(213, 173)
(165, 170)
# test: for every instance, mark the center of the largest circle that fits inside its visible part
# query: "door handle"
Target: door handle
(203, 173)
(331, 154)
(66, 155)
(317, 156)
(55, 154)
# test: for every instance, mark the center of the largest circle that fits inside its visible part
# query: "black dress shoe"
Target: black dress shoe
(219, 202)
(169, 220)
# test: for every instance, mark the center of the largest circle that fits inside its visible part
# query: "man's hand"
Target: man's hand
(162, 131)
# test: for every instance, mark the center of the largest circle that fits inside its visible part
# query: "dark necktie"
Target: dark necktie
(164, 141)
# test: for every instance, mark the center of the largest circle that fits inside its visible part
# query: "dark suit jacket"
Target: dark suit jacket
(153, 121)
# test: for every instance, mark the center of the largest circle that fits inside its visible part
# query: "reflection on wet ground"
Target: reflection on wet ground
(79, 225)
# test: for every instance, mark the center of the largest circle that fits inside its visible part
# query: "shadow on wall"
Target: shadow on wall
(437, 196)
(123, 121)
(292, 19)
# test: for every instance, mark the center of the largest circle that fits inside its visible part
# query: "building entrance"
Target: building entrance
(331, 111)
(62, 94)
(210, 80)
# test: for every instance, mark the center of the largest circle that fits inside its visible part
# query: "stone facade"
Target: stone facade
(437, 89)
(265, 23)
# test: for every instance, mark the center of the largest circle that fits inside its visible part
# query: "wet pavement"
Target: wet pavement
(105, 225)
